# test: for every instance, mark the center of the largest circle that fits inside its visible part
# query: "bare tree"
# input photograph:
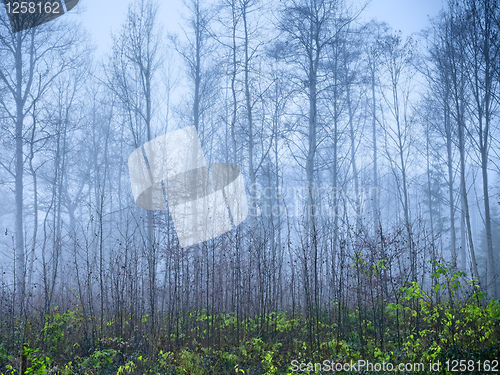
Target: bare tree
(30, 61)
(309, 27)
(397, 60)
(438, 75)
(483, 53)
(456, 63)
(131, 76)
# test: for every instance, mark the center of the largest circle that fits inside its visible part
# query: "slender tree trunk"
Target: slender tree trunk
(19, 185)
(451, 196)
(465, 203)
(376, 206)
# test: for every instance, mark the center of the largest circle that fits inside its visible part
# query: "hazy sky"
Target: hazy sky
(409, 16)
(101, 16)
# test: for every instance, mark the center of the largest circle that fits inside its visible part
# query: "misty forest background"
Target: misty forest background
(371, 163)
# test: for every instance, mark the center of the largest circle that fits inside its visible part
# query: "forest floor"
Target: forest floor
(451, 329)
(414, 337)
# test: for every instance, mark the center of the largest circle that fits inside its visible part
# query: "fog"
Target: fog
(247, 158)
